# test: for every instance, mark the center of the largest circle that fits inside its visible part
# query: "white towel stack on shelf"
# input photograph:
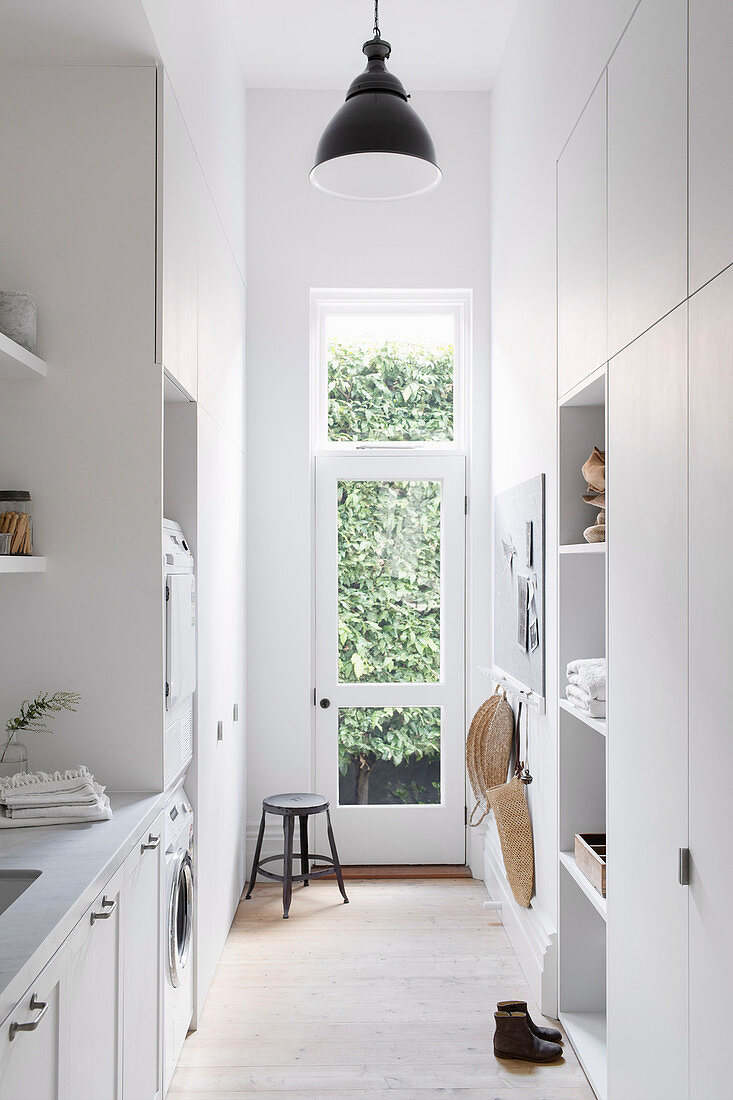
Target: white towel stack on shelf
(586, 688)
(37, 798)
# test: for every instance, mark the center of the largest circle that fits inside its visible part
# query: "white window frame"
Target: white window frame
(327, 303)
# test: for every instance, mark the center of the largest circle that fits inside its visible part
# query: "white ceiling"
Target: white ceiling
(436, 44)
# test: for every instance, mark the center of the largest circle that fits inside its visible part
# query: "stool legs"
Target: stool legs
(304, 858)
(256, 860)
(288, 830)
(335, 857)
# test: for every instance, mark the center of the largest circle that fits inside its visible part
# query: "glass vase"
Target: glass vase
(13, 759)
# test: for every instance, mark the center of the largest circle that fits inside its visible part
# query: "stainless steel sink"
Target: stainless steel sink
(13, 884)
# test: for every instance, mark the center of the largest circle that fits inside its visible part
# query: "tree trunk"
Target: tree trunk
(362, 781)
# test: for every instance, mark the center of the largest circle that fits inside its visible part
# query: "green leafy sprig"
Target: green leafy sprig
(36, 714)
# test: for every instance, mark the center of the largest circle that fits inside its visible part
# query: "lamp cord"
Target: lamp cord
(376, 19)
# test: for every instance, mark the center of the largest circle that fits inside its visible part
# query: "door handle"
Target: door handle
(325, 704)
(41, 1007)
(109, 906)
(153, 842)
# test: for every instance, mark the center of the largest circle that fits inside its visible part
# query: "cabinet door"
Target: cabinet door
(711, 150)
(178, 256)
(141, 1047)
(220, 762)
(220, 325)
(647, 713)
(647, 171)
(92, 1027)
(581, 246)
(30, 1060)
(711, 660)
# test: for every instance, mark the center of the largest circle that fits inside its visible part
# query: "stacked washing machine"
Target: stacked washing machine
(179, 587)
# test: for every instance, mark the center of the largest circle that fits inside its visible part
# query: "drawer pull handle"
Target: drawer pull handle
(153, 842)
(36, 1006)
(110, 907)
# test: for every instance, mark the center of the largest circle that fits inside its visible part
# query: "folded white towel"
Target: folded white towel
(575, 666)
(590, 677)
(594, 708)
(44, 799)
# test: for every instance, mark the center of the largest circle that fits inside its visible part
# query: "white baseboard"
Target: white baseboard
(530, 933)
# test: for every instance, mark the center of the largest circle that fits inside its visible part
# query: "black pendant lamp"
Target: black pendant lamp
(376, 147)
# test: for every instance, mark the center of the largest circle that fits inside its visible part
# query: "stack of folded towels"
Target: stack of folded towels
(60, 798)
(586, 688)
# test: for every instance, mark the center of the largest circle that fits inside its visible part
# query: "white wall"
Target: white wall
(555, 54)
(298, 238)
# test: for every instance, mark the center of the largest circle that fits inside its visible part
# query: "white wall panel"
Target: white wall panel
(647, 171)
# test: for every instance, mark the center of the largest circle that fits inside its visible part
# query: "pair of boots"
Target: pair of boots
(518, 1036)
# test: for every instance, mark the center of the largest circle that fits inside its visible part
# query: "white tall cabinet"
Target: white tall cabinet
(643, 971)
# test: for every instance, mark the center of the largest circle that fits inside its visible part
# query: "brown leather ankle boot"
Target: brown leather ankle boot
(549, 1034)
(513, 1039)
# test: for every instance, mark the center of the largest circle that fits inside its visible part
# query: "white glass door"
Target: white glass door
(390, 565)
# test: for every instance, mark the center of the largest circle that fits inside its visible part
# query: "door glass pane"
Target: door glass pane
(390, 378)
(389, 581)
(389, 756)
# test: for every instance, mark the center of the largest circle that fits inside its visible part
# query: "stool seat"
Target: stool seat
(296, 804)
(288, 807)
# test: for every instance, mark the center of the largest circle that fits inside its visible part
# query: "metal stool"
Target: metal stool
(288, 807)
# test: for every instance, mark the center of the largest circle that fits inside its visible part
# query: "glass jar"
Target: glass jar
(13, 759)
(16, 519)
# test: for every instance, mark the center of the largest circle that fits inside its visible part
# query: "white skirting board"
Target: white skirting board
(529, 931)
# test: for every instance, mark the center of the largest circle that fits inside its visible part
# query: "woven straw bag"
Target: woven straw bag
(489, 749)
(515, 835)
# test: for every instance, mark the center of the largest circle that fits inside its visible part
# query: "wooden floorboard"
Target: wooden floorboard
(391, 994)
(406, 870)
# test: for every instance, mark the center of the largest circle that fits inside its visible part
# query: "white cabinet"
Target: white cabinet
(581, 246)
(178, 249)
(220, 765)
(647, 714)
(142, 966)
(711, 149)
(647, 171)
(711, 660)
(93, 1000)
(30, 1059)
(220, 325)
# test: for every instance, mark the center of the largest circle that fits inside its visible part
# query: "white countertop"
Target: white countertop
(75, 861)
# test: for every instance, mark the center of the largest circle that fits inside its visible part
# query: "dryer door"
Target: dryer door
(180, 918)
(180, 647)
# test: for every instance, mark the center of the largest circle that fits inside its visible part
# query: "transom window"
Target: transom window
(389, 369)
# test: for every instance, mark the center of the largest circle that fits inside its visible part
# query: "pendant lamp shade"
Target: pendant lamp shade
(376, 147)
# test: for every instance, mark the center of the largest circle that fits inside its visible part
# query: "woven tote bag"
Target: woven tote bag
(489, 749)
(515, 835)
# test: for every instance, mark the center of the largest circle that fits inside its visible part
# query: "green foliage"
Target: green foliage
(389, 581)
(389, 553)
(36, 714)
(397, 391)
(392, 734)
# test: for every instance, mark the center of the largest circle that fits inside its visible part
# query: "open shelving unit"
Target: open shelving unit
(582, 740)
(18, 563)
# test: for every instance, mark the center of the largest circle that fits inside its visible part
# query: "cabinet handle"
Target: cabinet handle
(41, 1007)
(110, 906)
(153, 842)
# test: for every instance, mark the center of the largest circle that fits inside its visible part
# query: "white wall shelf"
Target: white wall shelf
(22, 563)
(591, 391)
(587, 1033)
(16, 362)
(567, 860)
(583, 548)
(597, 724)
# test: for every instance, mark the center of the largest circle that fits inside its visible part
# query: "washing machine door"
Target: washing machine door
(180, 917)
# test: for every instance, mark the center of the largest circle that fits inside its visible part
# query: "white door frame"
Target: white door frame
(394, 833)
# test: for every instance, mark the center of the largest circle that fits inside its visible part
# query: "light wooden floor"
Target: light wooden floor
(391, 994)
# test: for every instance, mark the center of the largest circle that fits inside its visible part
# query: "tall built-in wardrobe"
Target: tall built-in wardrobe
(645, 369)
